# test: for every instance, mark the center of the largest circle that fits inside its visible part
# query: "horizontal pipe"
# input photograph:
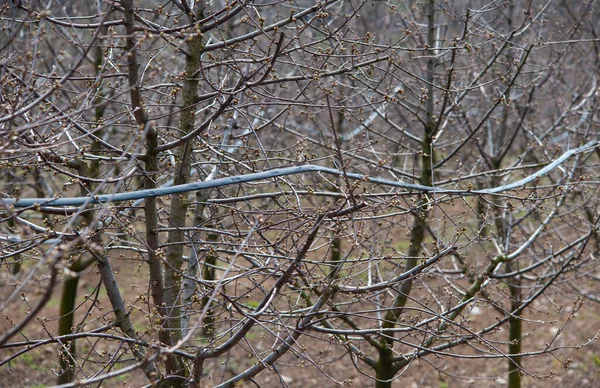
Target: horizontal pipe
(278, 172)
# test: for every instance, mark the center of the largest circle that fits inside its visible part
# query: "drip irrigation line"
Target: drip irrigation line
(279, 172)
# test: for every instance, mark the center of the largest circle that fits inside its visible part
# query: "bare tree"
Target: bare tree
(251, 183)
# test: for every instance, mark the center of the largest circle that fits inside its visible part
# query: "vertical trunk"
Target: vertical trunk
(65, 326)
(179, 203)
(152, 241)
(151, 164)
(67, 352)
(514, 335)
(515, 323)
(336, 253)
(189, 285)
(154, 261)
(514, 284)
(385, 369)
(208, 273)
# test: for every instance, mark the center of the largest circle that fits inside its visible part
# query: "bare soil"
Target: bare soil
(314, 362)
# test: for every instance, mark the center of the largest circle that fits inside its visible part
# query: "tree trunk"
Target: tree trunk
(514, 336)
(384, 369)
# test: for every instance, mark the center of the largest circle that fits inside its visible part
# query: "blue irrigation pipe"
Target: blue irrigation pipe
(278, 172)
